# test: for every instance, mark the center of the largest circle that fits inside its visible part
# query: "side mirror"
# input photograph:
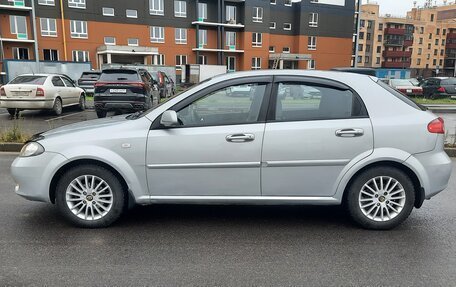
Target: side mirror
(169, 119)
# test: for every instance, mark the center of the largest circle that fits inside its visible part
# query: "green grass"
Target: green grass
(444, 101)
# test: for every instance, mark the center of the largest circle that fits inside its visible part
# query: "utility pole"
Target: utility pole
(358, 25)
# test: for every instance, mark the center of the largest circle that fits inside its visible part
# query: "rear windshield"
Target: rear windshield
(94, 76)
(119, 75)
(32, 80)
(401, 97)
(451, 81)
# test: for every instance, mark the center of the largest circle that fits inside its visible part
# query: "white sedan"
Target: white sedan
(41, 92)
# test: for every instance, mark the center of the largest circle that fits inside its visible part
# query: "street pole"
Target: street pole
(358, 26)
(37, 56)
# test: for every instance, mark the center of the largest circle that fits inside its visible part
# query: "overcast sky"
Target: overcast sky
(400, 7)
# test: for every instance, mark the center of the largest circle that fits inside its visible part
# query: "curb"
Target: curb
(16, 147)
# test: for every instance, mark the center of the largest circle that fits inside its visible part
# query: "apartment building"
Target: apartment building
(242, 34)
(422, 41)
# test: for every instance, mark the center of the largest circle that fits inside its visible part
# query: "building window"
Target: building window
(231, 64)
(379, 49)
(109, 40)
(81, 56)
(257, 15)
(443, 42)
(420, 51)
(430, 36)
(360, 47)
(180, 35)
(131, 13)
(157, 34)
(202, 38)
(81, 4)
(273, 2)
(272, 25)
(377, 60)
(202, 60)
(380, 26)
(286, 50)
(312, 43)
(256, 63)
(48, 27)
(158, 60)
(311, 64)
(361, 35)
(287, 26)
(379, 38)
(444, 32)
(180, 9)
(438, 31)
(202, 11)
(436, 52)
(436, 42)
(21, 53)
(287, 2)
(78, 29)
(442, 52)
(133, 42)
(108, 11)
(51, 55)
(368, 36)
(360, 59)
(313, 20)
(18, 26)
(46, 2)
(432, 17)
(231, 40)
(181, 60)
(366, 59)
(429, 46)
(230, 14)
(369, 24)
(418, 62)
(420, 41)
(257, 40)
(440, 62)
(156, 7)
(368, 48)
(271, 49)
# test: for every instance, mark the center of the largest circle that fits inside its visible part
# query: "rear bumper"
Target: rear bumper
(131, 106)
(433, 169)
(26, 104)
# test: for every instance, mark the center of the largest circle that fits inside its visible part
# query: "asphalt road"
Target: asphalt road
(171, 245)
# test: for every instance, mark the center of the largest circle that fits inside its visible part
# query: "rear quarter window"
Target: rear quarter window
(400, 96)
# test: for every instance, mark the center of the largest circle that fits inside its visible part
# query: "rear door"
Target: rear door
(315, 129)
(71, 93)
(60, 89)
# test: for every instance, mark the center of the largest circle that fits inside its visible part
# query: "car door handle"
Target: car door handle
(240, 138)
(347, 133)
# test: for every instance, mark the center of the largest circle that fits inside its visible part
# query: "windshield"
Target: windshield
(398, 82)
(95, 76)
(31, 80)
(119, 75)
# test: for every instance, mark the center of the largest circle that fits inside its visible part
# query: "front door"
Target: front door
(316, 128)
(216, 149)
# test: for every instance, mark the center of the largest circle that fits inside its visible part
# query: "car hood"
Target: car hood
(87, 125)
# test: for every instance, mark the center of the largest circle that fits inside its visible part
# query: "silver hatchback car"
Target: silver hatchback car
(292, 137)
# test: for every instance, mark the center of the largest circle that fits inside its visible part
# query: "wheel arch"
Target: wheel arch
(78, 162)
(419, 190)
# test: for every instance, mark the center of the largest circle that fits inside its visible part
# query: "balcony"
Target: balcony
(408, 43)
(396, 65)
(214, 24)
(451, 35)
(394, 31)
(450, 45)
(397, 54)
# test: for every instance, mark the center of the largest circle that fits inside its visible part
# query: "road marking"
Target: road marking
(62, 117)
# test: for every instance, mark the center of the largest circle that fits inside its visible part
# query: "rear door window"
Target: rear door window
(299, 101)
(67, 82)
(57, 82)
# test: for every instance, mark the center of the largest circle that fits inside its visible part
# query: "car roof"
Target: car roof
(41, 75)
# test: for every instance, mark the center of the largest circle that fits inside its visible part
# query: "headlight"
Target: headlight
(31, 149)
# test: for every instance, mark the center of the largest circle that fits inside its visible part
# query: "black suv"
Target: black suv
(125, 90)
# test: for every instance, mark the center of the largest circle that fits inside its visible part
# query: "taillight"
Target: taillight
(2, 92)
(441, 89)
(437, 126)
(39, 92)
(99, 84)
(141, 85)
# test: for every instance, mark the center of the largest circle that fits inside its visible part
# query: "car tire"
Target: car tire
(101, 114)
(82, 102)
(57, 108)
(380, 198)
(14, 113)
(90, 196)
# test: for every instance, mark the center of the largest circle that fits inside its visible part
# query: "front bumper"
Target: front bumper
(26, 104)
(33, 175)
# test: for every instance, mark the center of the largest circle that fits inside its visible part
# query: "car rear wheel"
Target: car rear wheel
(82, 103)
(57, 108)
(101, 113)
(90, 196)
(380, 198)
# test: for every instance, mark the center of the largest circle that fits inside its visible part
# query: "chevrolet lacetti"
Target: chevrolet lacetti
(260, 137)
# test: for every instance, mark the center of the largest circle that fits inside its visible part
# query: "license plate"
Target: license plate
(409, 91)
(118, 91)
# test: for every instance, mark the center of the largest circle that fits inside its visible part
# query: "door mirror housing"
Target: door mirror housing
(169, 119)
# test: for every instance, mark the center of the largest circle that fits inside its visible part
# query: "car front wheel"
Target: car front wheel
(381, 198)
(90, 196)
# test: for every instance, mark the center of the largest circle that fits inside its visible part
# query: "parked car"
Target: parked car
(406, 87)
(360, 143)
(159, 77)
(439, 87)
(125, 90)
(41, 92)
(87, 81)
